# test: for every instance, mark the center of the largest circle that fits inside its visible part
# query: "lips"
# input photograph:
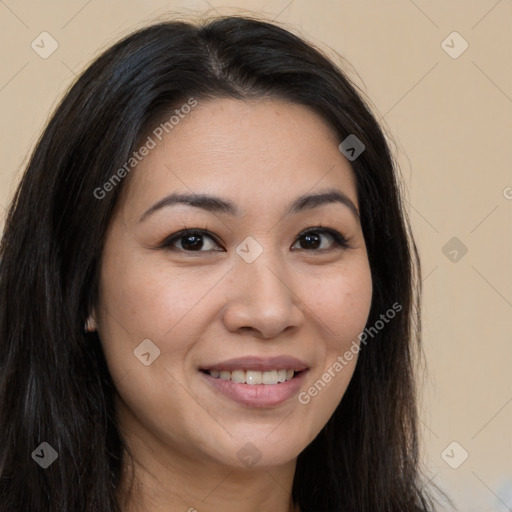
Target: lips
(266, 382)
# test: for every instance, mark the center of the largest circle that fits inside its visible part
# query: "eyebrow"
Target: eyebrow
(219, 205)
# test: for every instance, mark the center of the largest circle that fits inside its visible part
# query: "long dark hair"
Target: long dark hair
(55, 385)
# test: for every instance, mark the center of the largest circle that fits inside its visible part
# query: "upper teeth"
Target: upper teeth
(253, 376)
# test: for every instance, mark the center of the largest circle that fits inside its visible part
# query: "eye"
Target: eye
(191, 240)
(312, 239)
(196, 240)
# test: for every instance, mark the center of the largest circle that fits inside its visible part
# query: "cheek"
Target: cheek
(341, 303)
(142, 301)
(340, 307)
(145, 302)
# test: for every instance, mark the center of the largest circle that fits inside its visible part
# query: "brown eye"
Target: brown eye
(313, 238)
(190, 241)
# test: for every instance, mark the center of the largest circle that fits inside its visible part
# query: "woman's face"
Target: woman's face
(259, 288)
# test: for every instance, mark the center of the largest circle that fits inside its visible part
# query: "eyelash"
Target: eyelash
(339, 241)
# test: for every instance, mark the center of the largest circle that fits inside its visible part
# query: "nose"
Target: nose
(261, 298)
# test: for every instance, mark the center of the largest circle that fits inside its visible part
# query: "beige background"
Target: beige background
(451, 119)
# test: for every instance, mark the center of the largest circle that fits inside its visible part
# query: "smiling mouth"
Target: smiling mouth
(253, 377)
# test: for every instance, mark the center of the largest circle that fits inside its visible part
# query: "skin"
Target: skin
(205, 306)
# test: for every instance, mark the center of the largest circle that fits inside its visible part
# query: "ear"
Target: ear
(90, 324)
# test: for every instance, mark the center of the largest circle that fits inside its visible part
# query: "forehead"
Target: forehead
(255, 152)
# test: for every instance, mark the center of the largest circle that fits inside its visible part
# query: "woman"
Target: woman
(220, 209)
